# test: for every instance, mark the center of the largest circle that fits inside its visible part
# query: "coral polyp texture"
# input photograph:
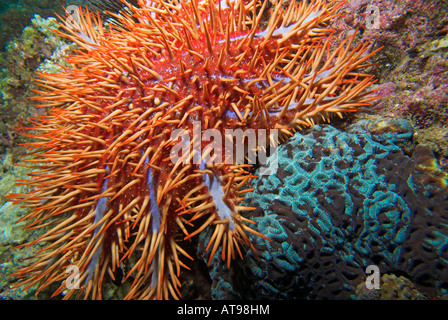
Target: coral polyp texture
(106, 190)
(343, 201)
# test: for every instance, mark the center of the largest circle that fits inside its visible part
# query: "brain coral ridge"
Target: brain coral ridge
(339, 202)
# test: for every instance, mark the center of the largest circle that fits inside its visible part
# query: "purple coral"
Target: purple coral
(412, 67)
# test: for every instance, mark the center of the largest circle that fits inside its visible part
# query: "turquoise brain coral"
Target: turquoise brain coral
(339, 202)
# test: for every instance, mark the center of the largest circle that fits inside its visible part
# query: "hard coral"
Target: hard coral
(339, 202)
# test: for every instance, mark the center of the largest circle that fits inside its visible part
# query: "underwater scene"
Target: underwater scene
(224, 149)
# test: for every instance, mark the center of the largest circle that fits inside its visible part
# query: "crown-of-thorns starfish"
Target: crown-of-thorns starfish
(104, 188)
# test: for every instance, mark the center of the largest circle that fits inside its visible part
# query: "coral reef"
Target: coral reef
(16, 15)
(413, 80)
(412, 66)
(38, 48)
(339, 202)
(11, 232)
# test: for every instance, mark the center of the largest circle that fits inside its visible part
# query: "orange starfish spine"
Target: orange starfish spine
(107, 190)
